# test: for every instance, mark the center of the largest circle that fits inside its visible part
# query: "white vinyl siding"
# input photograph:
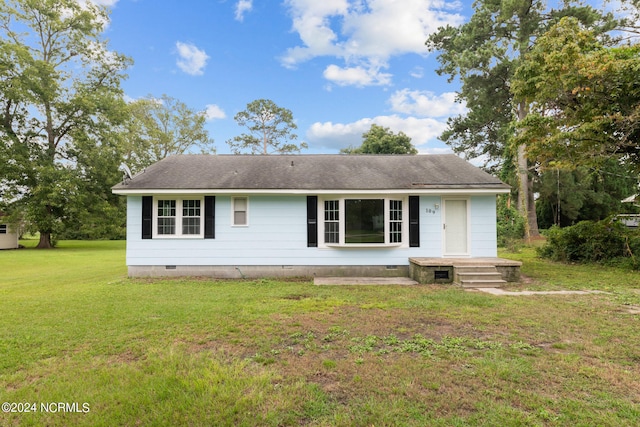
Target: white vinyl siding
(278, 236)
(483, 226)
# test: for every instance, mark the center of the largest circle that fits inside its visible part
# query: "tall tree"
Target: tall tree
(382, 140)
(160, 127)
(483, 54)
(270, 130)
(584, 97)
(58, 84)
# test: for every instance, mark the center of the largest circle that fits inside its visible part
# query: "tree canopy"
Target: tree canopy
(159, 127)
(483, 53)
(584, 98)
(382, 140)
(60, 92)
(271, 130)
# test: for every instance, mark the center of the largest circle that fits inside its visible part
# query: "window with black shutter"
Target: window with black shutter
(312, 221)
(414, 221)
(147, 217)
(209, 217)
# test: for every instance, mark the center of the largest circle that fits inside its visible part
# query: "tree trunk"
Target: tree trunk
(526, 201)
(532, 215)
(45, 241)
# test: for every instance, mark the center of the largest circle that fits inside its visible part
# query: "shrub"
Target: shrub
(510, 226)
(606, 241)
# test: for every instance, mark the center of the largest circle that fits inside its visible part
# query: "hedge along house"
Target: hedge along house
(233, 216)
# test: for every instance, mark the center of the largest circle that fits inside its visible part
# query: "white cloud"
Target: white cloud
(426, 103)
(311, 20)
(108, 3)
(84, 4)
(242, 7)
(213, 112)
(419, 114)
(191, 60)
(417, 72)
(356, 76)
(367, 32)
(341, 135)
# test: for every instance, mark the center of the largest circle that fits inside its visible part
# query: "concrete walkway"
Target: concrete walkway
(498, 291)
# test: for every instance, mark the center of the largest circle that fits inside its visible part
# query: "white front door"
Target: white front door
(455, 227)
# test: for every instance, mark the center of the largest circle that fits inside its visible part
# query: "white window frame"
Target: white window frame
(391, 221)
(178, 224)
(233, 211)
(387, 221)
(331, 219)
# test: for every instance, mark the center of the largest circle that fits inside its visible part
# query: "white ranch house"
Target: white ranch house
(232, 216)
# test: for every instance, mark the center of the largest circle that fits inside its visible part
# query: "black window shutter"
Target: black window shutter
(312, 221)
(414, 221)
(147, 217)
(209, 217)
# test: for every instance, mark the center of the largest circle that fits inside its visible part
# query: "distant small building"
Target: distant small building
(630, 220)
(8, 236)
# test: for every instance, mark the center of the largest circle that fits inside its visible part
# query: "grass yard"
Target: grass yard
(94, 348)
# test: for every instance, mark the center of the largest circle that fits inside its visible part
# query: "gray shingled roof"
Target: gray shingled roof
(311, 172)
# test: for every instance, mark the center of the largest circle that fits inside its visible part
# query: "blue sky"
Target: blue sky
(338, 65)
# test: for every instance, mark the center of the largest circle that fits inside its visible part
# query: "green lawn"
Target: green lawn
(117, 351)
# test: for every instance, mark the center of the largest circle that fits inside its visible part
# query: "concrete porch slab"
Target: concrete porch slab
(498, 262)
(363, 281)
(446, 270)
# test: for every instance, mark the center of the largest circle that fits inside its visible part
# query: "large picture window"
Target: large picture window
(363, 222)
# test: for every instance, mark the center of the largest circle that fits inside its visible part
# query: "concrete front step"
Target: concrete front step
(475, 268)
(478, 276)
(483, 283)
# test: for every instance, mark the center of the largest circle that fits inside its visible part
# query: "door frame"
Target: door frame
(467, 201)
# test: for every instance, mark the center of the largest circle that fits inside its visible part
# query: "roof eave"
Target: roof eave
(497, 189)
